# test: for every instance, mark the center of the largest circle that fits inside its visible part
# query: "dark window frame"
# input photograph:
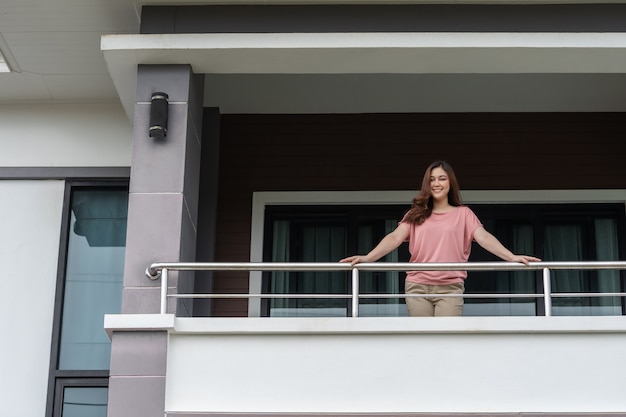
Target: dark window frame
(76, 382)
(58, 379)
(350, 212)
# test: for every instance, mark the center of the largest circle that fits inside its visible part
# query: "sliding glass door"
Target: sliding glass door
(566, 232)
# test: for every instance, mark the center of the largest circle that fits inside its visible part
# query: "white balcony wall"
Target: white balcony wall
(65, 135)
(29, 249)
(395, 365)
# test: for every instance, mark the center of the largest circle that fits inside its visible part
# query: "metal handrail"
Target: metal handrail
(161, 269)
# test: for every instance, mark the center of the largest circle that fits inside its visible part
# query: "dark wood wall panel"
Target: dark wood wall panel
(391, 152)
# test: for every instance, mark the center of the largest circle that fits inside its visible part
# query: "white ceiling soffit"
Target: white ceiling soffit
(364, 53)
(4, 59)
(3, 65)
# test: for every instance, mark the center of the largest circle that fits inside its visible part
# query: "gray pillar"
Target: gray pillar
(162, 226)
(165, 175)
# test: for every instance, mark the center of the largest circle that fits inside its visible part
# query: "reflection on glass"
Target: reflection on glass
(84, 402)
(93, 281)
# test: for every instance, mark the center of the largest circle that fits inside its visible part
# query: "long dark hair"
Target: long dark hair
(422, 206)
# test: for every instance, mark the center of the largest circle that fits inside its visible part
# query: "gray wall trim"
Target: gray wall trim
(384, 18)
(37, 173)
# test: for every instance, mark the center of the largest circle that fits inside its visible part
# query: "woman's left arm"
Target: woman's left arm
(492, 244)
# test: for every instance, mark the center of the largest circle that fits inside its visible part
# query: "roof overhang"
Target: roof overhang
(364, 53)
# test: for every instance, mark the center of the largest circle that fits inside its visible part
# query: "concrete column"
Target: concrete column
(137, 374)
(165, 175)
(162, 226)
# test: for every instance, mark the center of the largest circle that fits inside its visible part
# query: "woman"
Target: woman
(439, 228)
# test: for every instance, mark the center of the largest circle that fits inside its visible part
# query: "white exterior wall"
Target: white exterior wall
(397, 365)
(42, 135)
(29, 249)
(265, 366)
(71, 135)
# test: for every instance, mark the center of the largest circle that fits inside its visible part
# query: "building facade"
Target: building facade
(300, 133)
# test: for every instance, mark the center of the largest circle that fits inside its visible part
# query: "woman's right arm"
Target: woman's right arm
(386, 245)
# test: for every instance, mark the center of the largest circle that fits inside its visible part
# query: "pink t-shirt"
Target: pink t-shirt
(443, 237)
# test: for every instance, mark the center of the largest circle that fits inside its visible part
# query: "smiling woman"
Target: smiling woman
(439, 229)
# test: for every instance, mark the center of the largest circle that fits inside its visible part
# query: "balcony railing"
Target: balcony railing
(161, 270)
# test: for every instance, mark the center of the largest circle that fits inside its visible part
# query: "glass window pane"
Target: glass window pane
(369, 233)
(306, 235)
(519, 238)
(93, 281)
(607, 280)
(324, 243)
(569, 243)
(564, 242)
(85, 402)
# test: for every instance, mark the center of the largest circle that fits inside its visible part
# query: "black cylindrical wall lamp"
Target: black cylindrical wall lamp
(158, 115)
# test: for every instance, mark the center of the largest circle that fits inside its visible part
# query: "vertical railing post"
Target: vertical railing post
(547, 292)
(164, 291)
(355, 292)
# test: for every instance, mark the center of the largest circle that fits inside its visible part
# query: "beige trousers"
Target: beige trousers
(434, 306)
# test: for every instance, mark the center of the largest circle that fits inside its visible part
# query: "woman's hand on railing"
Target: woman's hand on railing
(525, 259)
(353, 260)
